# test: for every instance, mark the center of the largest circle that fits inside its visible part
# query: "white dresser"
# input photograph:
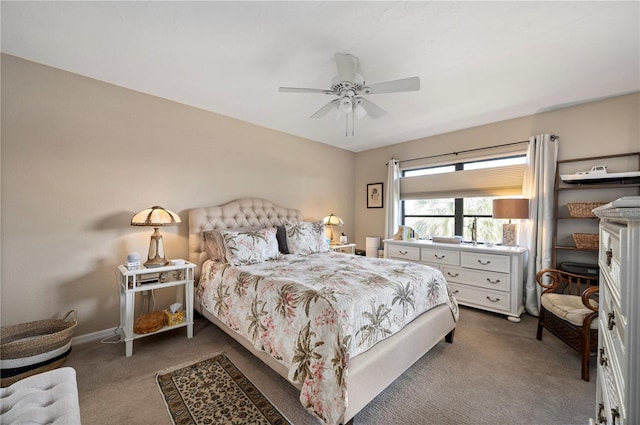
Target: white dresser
(618, 394)
(489, 278)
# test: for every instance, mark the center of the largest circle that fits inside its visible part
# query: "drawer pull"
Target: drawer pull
(615, 414)
(603, 359)
(609, 254)
(493, 301)
(439, 257)
(403, 252)
(484, 263)
(493, 281)
(611, 321)
(453, 275)
(601, 418)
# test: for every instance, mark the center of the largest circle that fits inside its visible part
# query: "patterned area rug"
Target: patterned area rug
(214, 391)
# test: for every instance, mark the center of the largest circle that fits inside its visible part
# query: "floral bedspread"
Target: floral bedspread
(314, 312)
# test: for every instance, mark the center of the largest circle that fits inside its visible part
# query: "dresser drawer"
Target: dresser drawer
(610, 253)
(481, 261)
(490, 280)
(440, 256)
(479, 297)
(403, 252)
(612, 326)
(609, 399)
(611, 367)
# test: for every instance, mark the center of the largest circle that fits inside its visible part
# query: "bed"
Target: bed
(337, 342)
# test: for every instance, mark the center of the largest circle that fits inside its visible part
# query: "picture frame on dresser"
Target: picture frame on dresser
(374, 195)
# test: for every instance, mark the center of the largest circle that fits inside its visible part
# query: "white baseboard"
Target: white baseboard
(94, 336)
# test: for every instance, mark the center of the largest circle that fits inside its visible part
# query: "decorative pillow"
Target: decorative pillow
(281, 236)
(250, 247)
(306, 238)
(214, 244)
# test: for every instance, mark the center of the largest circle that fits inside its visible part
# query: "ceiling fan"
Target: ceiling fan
(349, 88)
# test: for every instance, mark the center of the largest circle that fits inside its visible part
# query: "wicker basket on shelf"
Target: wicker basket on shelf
(586, 240)
(583, 209)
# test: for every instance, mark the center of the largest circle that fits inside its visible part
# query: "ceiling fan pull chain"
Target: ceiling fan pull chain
(353, 124)
(346, 125)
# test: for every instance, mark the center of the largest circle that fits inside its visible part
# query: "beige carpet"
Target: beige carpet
(495, 372)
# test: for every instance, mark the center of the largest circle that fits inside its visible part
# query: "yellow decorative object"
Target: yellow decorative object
(172, 319)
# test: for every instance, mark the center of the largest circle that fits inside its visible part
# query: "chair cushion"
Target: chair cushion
(568, 307)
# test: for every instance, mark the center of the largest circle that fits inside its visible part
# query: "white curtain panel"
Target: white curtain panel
(537, 234)
(392, 199)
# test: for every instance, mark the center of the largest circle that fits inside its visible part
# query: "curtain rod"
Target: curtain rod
(553, 139)
(465, 151)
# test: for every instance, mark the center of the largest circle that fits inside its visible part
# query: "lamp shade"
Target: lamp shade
(155, 217)
(332, 220)
(512, 208)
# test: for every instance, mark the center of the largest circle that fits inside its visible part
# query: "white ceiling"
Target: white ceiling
(479, 62)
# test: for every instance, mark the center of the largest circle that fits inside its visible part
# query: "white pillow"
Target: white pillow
(250, 247)
(306, 238)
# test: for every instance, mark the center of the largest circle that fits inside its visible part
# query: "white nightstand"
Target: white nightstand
(144, 279)
(347, 248)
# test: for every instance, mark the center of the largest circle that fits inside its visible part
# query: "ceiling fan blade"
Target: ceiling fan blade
(347, 66)
(373, 110)
(303, 90)
(405, 84)
(326, 109)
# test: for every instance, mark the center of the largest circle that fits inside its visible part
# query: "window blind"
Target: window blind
(499, 181)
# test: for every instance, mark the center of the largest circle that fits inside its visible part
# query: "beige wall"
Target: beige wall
(603, 127)
(80, 157)
(76, 154)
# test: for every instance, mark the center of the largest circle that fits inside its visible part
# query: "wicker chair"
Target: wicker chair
(569, 310)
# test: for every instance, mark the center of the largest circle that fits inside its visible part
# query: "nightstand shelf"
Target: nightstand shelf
(348, 248)
(132, 282)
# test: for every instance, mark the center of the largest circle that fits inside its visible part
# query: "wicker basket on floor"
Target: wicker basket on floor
(586, 240)
(34, 347)
(583, 209)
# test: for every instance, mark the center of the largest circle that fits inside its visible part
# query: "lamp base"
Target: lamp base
(156, 251)
(509, 234)
(156, 262)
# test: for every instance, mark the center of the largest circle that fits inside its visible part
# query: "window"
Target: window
(449, 216)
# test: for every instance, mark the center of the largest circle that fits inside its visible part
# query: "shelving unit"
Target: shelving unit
(137, 281)
(564, 249)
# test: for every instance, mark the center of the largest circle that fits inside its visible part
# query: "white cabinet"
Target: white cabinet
(489, 278)
(132, 282)
(618, 393)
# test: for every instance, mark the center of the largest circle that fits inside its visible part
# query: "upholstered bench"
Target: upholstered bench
(46, 398)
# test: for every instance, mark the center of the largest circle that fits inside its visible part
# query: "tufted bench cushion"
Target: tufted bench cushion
(46, 398)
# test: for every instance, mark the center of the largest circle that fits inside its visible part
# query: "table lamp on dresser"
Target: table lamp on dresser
(510, 208)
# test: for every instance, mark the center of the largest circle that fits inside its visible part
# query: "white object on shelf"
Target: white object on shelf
(597, 174)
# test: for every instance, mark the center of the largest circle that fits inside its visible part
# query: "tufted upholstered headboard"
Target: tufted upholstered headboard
(242, 212)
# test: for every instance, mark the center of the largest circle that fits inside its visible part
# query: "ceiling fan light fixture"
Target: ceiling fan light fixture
(346, 105)
(359, 111)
